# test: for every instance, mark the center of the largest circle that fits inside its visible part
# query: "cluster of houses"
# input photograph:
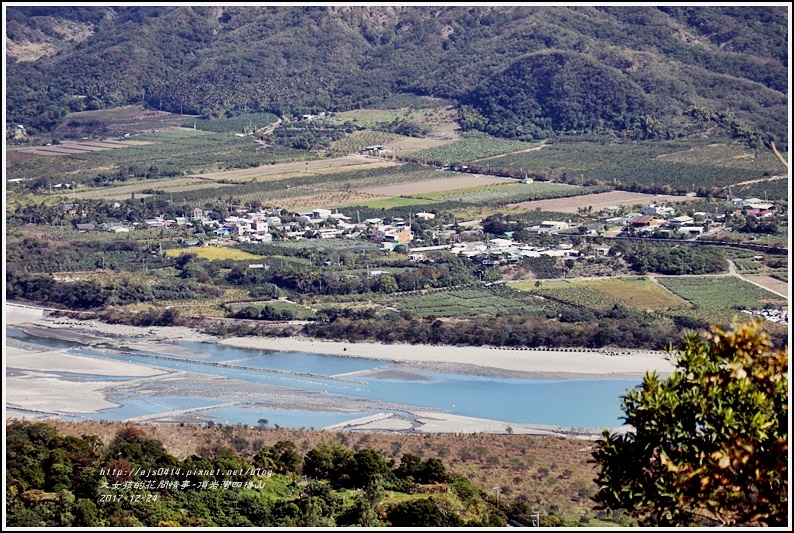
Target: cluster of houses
(257, 226)
(660, 218)
(497, 251)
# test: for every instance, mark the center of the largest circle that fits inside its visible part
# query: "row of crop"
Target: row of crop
(181, 151)
(579, 296)
(641, 163)
(472, 148)
(455, 304)
(359, 140)
(726, 292)
(505, 194)
(726, 155)
(308, 184)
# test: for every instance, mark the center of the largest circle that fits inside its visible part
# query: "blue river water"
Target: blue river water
(585, 403)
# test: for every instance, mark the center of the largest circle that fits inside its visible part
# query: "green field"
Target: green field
(457, 303)
(370, 117)
(473, 147)
(340, 180)
(677, 163)
(510, 193)
(604, 294)
(720, 293)
(400, 201)
(172, 152)
(358, 140)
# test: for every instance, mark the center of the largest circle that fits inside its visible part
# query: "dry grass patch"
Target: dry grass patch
(214, 253)
(641, 293)
(315, 167)
(328, 200)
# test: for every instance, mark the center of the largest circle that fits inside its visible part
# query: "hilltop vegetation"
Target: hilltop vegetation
(643, 72)
(62, 474)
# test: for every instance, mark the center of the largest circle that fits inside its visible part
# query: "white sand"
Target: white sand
(49, 394)
(537, 361)
(63, 361)
(16, 314)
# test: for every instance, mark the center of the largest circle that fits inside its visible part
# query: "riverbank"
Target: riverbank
(84, 383)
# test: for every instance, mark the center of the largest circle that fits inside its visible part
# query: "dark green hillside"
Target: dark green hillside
(649, 65)
(557, 91)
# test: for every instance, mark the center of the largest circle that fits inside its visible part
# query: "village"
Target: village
(462, 238)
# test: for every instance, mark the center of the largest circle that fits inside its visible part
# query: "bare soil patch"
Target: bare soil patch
(768, 282)
(75, 147)
(437, 185)
(598, 201)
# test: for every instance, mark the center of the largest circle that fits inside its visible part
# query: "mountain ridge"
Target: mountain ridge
(225, 60)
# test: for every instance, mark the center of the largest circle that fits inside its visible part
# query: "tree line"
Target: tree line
(57, 481)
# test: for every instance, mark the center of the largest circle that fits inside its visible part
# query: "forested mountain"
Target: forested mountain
(516, 71)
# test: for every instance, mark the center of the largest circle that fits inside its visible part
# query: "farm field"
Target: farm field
(681, 164)
(638, 293)
(509, 192)
(469, 149)
(74, 147)
(358, 140)
(453, 182)
(720, 292)
(213, 253)
(428, 116)
(330, 186)
(330, 200)
(238, 124)
(777, 285)
(389, 203)
(120, 120)
(171, 153)
(123, 192)
(316, 166)
(598, 201)
(457, 303)
(641, 293)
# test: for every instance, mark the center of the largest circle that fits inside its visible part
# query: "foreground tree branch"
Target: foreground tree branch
(708, 445)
